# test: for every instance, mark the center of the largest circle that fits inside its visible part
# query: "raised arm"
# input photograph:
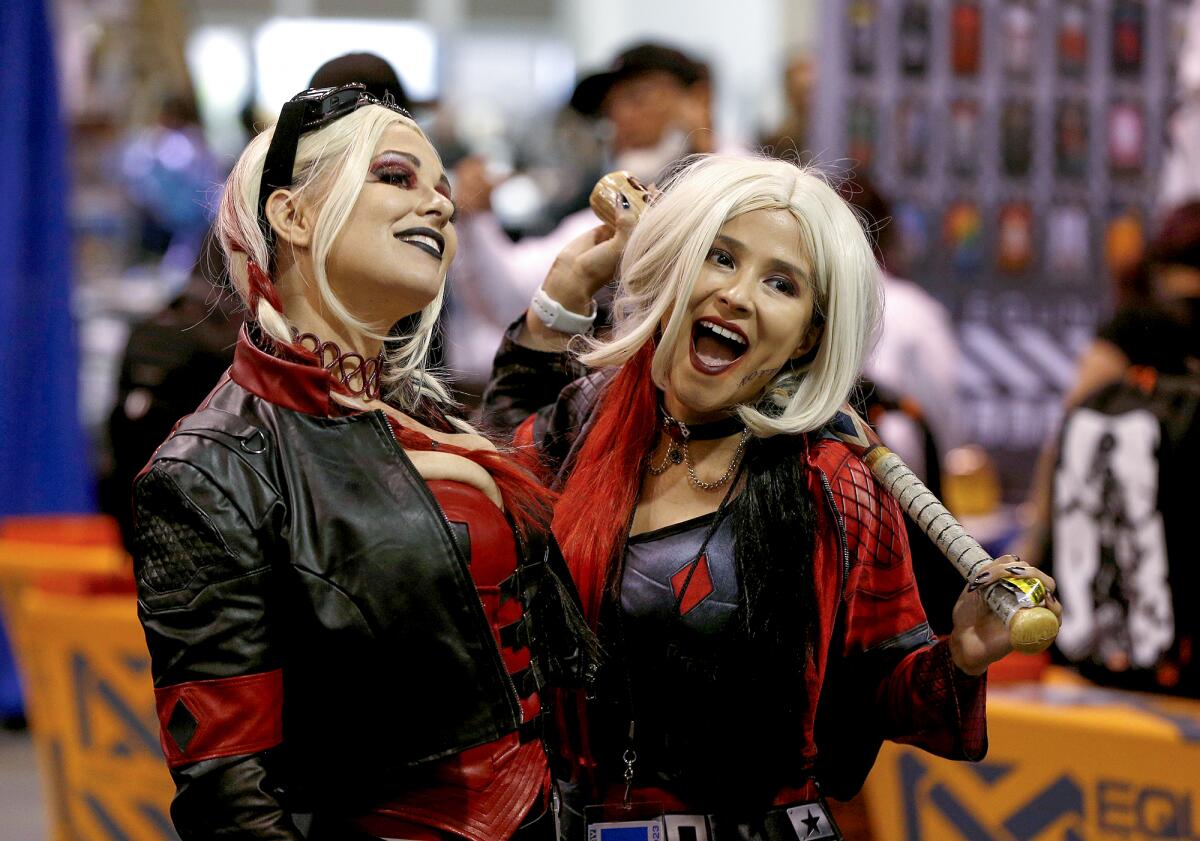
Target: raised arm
(533, 365)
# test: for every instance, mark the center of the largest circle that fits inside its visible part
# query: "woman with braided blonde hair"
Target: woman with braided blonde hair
(273, 232)
(351, 599)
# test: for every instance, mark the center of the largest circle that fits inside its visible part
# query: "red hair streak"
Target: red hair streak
(593, 511)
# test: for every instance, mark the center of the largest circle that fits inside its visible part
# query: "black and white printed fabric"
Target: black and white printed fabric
(1121, 547)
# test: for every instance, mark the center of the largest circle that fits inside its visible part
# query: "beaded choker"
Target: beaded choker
(359, 375)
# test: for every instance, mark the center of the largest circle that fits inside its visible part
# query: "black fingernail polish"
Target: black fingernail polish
(1016, 569)
(624, 201)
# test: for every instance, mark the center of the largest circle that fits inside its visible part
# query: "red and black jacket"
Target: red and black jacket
(877, 671)
(315, 633)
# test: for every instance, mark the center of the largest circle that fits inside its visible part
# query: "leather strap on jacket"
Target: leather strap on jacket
(206, 719)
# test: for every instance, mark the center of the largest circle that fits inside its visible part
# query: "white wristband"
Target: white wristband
(556, 317)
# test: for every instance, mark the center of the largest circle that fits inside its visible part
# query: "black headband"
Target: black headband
(307, 111)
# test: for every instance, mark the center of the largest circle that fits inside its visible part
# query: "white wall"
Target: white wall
(747, 42)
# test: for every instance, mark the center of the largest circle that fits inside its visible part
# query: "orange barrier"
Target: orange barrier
(1067, 762)
(56, 545)
(63, 529)
(89, 682)
(67, 595)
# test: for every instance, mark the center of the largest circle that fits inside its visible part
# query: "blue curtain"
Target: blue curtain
(43, 456)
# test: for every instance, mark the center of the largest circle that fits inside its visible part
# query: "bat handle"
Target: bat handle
(1017, 601)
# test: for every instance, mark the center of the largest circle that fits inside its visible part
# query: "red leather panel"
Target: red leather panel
(234, 715)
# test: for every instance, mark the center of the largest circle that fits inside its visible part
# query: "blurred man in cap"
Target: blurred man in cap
(371, 70)
(657, 101)
(655, 98)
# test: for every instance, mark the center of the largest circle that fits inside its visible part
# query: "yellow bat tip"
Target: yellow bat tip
(1033, 629)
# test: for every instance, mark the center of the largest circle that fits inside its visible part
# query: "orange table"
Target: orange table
(1067, 762)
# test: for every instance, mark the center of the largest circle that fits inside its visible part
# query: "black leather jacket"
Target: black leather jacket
(314, 630)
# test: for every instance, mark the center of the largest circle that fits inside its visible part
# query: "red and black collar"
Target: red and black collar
(295, 378)
(298, 382)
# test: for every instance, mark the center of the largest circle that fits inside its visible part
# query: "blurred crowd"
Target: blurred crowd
(1108, 502)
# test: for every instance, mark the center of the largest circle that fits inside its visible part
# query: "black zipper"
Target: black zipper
(842, 539)
(514, 699)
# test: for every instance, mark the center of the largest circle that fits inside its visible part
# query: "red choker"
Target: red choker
(359, 375)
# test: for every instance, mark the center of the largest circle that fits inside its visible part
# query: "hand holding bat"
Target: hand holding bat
(1019, 600)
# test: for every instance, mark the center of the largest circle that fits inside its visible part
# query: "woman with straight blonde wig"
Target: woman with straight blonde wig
(750, 582)
(351, 599)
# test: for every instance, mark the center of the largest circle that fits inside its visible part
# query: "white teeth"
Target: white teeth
(426, 240)
(721, 331)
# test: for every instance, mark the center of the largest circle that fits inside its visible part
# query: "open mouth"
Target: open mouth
(426, 239)
(716, 345)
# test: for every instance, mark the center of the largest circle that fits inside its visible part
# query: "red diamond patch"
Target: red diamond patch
(698, 589)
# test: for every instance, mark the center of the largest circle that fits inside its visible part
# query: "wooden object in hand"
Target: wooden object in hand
(1017, 601)
(616, 190)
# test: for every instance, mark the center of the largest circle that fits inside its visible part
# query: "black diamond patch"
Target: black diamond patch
(182, 725)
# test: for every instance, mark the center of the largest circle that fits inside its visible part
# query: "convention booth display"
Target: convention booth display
(1021, 142)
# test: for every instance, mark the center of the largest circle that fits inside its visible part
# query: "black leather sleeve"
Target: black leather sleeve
(524, 382)
(562, 643)
(232, 797)
(552, 387)
(205, 587)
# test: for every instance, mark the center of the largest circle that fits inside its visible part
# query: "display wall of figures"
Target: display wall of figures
(1020, 143)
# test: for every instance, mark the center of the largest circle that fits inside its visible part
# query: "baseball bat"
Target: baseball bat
(1017, 601)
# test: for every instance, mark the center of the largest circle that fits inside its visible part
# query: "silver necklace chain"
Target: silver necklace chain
(678, 451)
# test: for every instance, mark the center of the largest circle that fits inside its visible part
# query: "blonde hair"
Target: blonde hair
(668, 247)
(331, 164)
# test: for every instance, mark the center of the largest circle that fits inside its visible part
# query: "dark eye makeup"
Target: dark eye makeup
(782, 284)
(396, 170)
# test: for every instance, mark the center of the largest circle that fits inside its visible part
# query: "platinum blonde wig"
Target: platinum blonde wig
(331, 166)
(671, 241)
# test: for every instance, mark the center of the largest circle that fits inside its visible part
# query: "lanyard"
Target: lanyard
(629, 757)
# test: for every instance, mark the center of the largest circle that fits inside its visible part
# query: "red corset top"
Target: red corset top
(482, 793)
